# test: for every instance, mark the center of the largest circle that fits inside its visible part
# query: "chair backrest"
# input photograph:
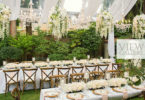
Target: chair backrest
(11, 76)
(63, 71)
(46, 73)
(15, 94)
(55, 80)
(90, 68)
(77, 77)
(102, 67)
(96, 75)
(29, 74)
(116, 66)
(76, 69)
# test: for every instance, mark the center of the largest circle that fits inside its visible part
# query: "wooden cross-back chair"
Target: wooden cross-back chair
(77, 77)
(11, 77)
(63, 71)
(29, 75)
(45, 75)
(114, 73)
(77, 73)
(55, 80)
(102, 67)
(76, 69)
(116, 66)
(15, 94)
(96, 75)
(90, 68)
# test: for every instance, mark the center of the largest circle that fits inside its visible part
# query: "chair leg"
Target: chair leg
(6, 89)
(23, 87)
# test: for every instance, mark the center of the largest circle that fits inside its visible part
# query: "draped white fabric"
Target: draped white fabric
(120, 8)
(92, 7)
(14, 6)
(48, 4)
(111, 45)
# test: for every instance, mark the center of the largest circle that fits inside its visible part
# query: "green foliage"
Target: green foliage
(56, 56)
(58, 50)
(90, 40)
(85, 38)
(10, 53)
(79, 53)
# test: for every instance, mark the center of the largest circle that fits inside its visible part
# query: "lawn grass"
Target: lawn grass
(33, 95)
(27, 95)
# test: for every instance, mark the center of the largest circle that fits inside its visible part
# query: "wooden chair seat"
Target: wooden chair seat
(77, 77)
(55, 80)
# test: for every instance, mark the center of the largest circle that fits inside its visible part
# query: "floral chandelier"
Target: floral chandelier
(139, 26)
(104, 24)
(123, 26)
(4, 20)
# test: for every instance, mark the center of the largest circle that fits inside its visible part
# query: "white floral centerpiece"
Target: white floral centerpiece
(25, 65)
(41, 64)
(11, 66)
(58, 21)
(104, 24)
(117, 82)
(4, 20)
(96, 84)
(135, 80)
(139, 26)
(73, 87)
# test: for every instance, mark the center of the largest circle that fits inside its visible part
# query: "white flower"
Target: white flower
(139, 26)
(10, 65)
(41, 64)
(96, 84)
(117, 81)
(134, 79)
(25, 65)
(72, 87)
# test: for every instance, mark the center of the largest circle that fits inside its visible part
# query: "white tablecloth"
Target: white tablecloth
(30, 86)
(88, 95)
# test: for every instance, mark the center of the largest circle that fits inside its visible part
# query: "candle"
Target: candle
(33, 59)
(4, 63)
(107, 75)
(74, 58)
(88, 56)
(47, 60)
(126, 74)
(86, 75)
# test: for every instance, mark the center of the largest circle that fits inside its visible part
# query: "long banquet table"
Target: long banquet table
(88, 95)
(30, 86)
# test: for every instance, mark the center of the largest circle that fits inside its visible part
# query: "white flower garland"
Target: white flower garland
(139, 26)
(4, 20)
(58, 22)
(104, 24)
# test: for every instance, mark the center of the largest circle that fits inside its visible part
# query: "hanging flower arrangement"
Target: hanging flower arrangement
(4, 20)
(58, 22)
(139, 26)
(104, 24)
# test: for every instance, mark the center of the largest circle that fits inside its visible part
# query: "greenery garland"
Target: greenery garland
(4, 20)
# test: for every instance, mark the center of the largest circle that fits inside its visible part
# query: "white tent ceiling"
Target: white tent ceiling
(119, 8)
